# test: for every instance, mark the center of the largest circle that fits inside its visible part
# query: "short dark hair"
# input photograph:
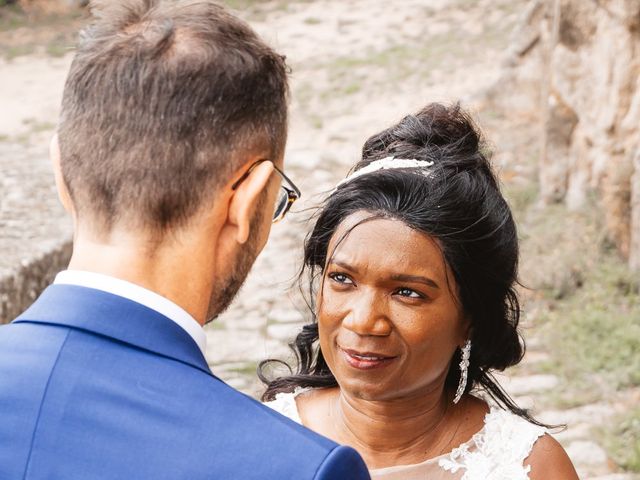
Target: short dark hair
(458, 202)
(161, 100)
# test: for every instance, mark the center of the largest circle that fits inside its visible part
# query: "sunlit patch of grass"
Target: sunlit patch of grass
(623, 440)
(258, 10)
(216, 325)
(418, 57)
(247, 369)
(559, 249)
(521, 197)
(11, 17)
(24, 34)
(594, 335)
(316, 122)
(59, 46)
(243, 4)
(15, 51)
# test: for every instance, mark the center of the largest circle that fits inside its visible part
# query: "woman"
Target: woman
(413, 259)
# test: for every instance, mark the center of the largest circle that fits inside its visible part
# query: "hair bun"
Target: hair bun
(436, 133)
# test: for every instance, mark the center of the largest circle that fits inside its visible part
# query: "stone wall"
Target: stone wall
(588, 71)
(24, 284)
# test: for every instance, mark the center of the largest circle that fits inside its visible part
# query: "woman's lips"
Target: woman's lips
(365, 360)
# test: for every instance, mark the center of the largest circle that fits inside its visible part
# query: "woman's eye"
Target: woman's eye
(340, 278)
(407, 292)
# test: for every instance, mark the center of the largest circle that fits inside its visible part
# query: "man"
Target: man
(168, 158)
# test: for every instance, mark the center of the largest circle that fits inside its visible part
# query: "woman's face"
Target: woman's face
(388, 318)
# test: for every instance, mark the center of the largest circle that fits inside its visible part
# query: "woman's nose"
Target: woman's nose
(368, 316)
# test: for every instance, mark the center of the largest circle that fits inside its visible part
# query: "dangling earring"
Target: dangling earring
(464, 369)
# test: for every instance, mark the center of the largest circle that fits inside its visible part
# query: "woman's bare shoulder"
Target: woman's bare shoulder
(549, 461)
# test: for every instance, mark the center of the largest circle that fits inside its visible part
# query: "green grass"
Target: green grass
(15, 51)
(243, 4)
(246, 369)
(53, 34)
(623, 441)
(588, 314)
(58, 48)
(521, 197)
(316, 122)
(11, 17)
(594, 334)
(258, 9)
(398, 62)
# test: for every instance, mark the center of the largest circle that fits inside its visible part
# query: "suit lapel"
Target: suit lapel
(115, 317)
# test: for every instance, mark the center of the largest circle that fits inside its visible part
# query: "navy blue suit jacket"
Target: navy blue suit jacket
(95, 386)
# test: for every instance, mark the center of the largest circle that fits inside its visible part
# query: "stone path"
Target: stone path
(358, 65)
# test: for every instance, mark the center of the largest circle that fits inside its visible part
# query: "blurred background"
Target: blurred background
(554, 84)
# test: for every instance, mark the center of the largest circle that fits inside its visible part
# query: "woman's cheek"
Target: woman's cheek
(331, 311)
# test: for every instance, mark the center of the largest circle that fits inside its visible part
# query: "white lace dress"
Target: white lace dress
(496, 452)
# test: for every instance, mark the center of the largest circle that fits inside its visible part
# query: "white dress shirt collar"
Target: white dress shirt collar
(138, 294)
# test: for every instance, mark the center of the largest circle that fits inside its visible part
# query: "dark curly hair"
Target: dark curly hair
(459, 203)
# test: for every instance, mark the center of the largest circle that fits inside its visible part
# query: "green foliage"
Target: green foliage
(623, 442)
(245, 369)
(594, 334)
(521, 197)
(11, 16)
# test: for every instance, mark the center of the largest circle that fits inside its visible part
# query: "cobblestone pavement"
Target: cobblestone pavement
(357, 65)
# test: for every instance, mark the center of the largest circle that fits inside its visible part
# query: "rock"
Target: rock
(616, 476)
(586, 452)
(553, 173)
(224, 346)
(285, 332)
(591, 414)
(574, 431)
(634, 255)
(529, 384)
(285, 316)
(593, 130)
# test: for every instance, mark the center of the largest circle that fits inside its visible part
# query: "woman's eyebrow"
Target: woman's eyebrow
(343, 264)
(416, 279)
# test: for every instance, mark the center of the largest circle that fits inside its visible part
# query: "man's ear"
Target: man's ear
(245, 200)
(61, 186)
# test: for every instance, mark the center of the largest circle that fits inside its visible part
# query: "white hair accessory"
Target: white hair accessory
(388, 163)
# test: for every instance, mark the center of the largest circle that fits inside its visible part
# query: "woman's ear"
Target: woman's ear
(466, 330)
(61, 186)
(246, 200)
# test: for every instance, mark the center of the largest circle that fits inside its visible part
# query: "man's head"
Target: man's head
(166, 103)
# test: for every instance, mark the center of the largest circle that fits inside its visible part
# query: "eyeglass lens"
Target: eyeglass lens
(281, 203)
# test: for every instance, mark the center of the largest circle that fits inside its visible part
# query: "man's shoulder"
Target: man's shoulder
(154, 404)
(247, 416)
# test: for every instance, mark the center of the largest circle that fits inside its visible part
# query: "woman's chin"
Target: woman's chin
(363, 390)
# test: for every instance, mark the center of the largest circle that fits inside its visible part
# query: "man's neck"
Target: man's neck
(174, 272)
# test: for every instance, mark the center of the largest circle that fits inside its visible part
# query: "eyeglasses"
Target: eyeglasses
(287, 194)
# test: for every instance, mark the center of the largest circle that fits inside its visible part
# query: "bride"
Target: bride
(413, 259)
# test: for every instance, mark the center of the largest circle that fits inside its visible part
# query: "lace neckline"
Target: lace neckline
(463, 446)
(495, 452)
(294, 414)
